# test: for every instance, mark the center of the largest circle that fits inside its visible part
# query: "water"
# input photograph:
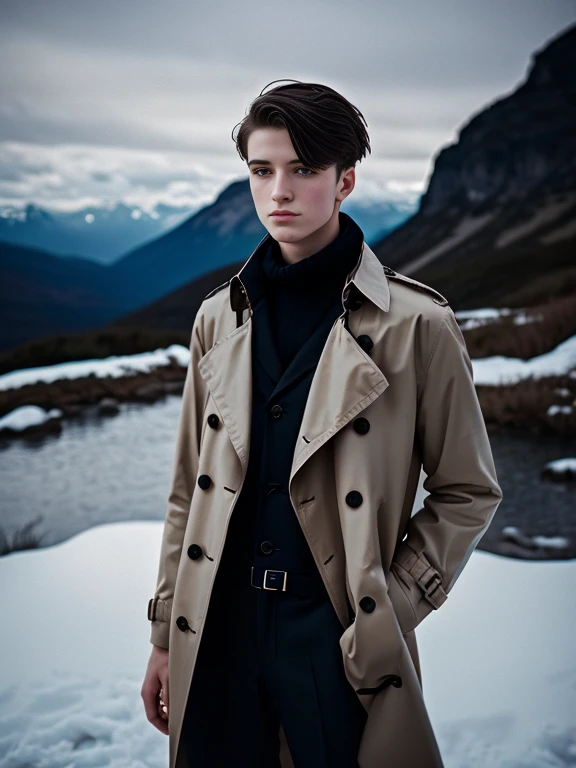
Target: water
(108, 469)
(98, 470)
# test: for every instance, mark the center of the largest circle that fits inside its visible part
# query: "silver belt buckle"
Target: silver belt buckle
(264, 586)
(276, 589)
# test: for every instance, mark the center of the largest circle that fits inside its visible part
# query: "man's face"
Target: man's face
(284, 183)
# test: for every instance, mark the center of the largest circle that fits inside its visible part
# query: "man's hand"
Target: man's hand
(154, 690)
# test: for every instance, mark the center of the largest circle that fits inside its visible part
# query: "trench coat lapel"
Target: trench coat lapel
(346, 381)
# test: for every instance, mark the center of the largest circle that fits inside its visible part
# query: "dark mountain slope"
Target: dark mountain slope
(498, 221)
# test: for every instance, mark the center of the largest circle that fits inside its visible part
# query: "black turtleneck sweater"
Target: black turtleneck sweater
(299, 295)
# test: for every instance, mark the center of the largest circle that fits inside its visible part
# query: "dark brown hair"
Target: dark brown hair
(324, 127)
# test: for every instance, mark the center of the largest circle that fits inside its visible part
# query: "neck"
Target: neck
(320, 238)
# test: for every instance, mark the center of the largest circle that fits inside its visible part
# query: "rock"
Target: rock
(108, 406)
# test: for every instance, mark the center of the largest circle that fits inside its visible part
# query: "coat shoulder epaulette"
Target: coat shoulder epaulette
(218, 288)
(409, 281)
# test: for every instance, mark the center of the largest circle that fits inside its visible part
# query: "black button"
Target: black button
(354, 499)
(355, 304)
(361, 425)
(182, 623)
(367, 604)
(204, 481)
(213, 421)
(276, 411)
(365, 342)
(194, 551)
(266, 547)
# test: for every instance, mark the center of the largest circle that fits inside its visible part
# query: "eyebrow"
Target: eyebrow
(267, 162)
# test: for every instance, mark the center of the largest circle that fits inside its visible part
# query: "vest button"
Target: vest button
(204, 481)
(354, 499)
(361, 425)
(194, 551)
(355, 304)
(182, 623)
(266, 547)
(367, 604)
(277, 411)
(213, 421)
(365, 342)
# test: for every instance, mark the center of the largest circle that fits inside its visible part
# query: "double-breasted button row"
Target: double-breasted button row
(354, 499)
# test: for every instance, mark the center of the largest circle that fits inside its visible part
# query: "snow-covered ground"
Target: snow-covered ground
(498, 661)
(115, 366)
(561, 466)
(474, 318)
(498, 369)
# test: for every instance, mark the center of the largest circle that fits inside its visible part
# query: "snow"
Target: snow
(554, 410)
(27, 416)
(562, 465)
(514, 533)
(498, 666)
(509, 370)
(474, 318)
(115, 366)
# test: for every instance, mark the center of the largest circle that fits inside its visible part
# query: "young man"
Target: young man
(292, 575)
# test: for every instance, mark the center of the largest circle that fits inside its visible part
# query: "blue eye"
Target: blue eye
(308, 171)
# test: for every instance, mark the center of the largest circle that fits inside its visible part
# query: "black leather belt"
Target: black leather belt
(287, 581)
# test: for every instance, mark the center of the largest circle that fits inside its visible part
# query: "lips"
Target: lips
(283, 216)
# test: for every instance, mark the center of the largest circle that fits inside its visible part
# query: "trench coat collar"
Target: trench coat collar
(247, 285)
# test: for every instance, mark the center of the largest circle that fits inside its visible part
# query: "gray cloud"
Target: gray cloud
(118, 78)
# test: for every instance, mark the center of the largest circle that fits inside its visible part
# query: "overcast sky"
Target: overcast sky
(135, 101)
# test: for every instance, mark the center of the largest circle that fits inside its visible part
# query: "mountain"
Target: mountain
(497, 224)
(377, 218)
(219, 234)
(96, 232)
(42, 294)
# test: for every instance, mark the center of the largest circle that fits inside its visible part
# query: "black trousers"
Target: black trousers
(267, 658)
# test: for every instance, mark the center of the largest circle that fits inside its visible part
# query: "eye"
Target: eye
(309, 172)
(257, 171)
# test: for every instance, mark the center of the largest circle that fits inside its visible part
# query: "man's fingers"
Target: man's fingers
(165, 693)
(149, 693)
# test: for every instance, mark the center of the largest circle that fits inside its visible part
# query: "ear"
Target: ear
(346, 183)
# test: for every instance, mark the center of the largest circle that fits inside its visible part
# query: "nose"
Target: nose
(281, 190)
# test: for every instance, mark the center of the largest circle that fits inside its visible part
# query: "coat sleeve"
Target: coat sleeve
(184, 472)
(463, 489)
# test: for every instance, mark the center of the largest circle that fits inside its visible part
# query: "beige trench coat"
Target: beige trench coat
(416, 389)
